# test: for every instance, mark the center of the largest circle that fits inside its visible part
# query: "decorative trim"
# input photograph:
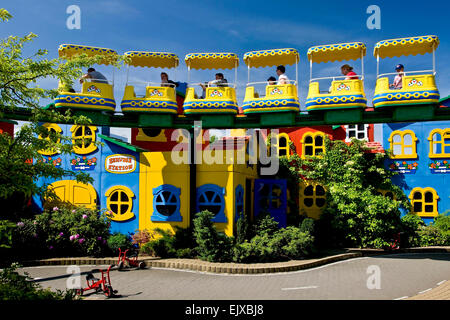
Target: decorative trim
(254, 106)
(391, 98)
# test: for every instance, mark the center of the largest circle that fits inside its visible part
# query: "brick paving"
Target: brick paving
(441, 292)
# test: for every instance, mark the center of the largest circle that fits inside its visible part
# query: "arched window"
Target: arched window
(83, 139)
(424, 202)
(166, 203)
(211, 197)
(52, 129)
(386, 194)
(119, 201)
(313, 144)
(312, 199)
(439, 143)
(403, 144)
(151, 134)
(283, 145)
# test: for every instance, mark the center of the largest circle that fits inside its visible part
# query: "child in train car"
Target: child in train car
(348, 72)
(282, 77)
(271, 81)
(398, 80)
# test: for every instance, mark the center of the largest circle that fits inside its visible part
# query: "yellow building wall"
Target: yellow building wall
(227, 176)
(157, 169)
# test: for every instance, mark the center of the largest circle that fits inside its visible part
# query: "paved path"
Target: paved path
(399, 276)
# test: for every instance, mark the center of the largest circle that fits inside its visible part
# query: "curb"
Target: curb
(237, 268)
(231, 268)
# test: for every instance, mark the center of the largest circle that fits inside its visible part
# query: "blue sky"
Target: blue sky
(182, 27)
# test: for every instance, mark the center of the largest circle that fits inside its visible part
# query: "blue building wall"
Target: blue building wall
(103, 180)
(422, 171)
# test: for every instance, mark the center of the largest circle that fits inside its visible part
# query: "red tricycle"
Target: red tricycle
(395, 242)
(99, 285)
(131, 260)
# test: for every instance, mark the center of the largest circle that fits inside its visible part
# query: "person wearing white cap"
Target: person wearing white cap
(398, 83)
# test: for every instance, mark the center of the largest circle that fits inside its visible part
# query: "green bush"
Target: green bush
(431, 236)
(355, 215)
(63, 232)
(242, 227)
(308, 225)
(17, 287)
(119, 240)
(265, 224)
(212, 245)
(292, 243)
(284, 244)
(162, 247)
(168, 245)
(184, 238)
(410, 225)
(273, 244)
(442, 222)
(6, 232)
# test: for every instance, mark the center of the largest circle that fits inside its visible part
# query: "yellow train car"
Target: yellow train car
(159, 97)
(417, 87)
(279, 97)
(96, 94)
(219, 97)
(345, 92)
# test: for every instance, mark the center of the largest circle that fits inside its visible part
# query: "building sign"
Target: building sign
(83, 163)
(120, 163)
(406, 167)
(440, 166)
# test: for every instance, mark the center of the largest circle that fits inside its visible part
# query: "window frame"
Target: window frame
(442, 133)
(58, 129)
(366, 132)
(313, 135)
(220, 217)
(314, 196)
(116, 216)
(402, 134)
(176, 215)
(422, 191)
(287, 148)
(85, 149)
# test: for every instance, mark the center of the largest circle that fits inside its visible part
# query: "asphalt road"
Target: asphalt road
(385, 277)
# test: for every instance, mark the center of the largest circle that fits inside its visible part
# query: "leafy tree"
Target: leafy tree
(356, 213)
(19, 90)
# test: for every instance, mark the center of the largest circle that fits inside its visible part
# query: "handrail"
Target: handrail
(152, 84)
(206, 84)
(106, 81)
(360, 77)
(407, 72)
(294, 82)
